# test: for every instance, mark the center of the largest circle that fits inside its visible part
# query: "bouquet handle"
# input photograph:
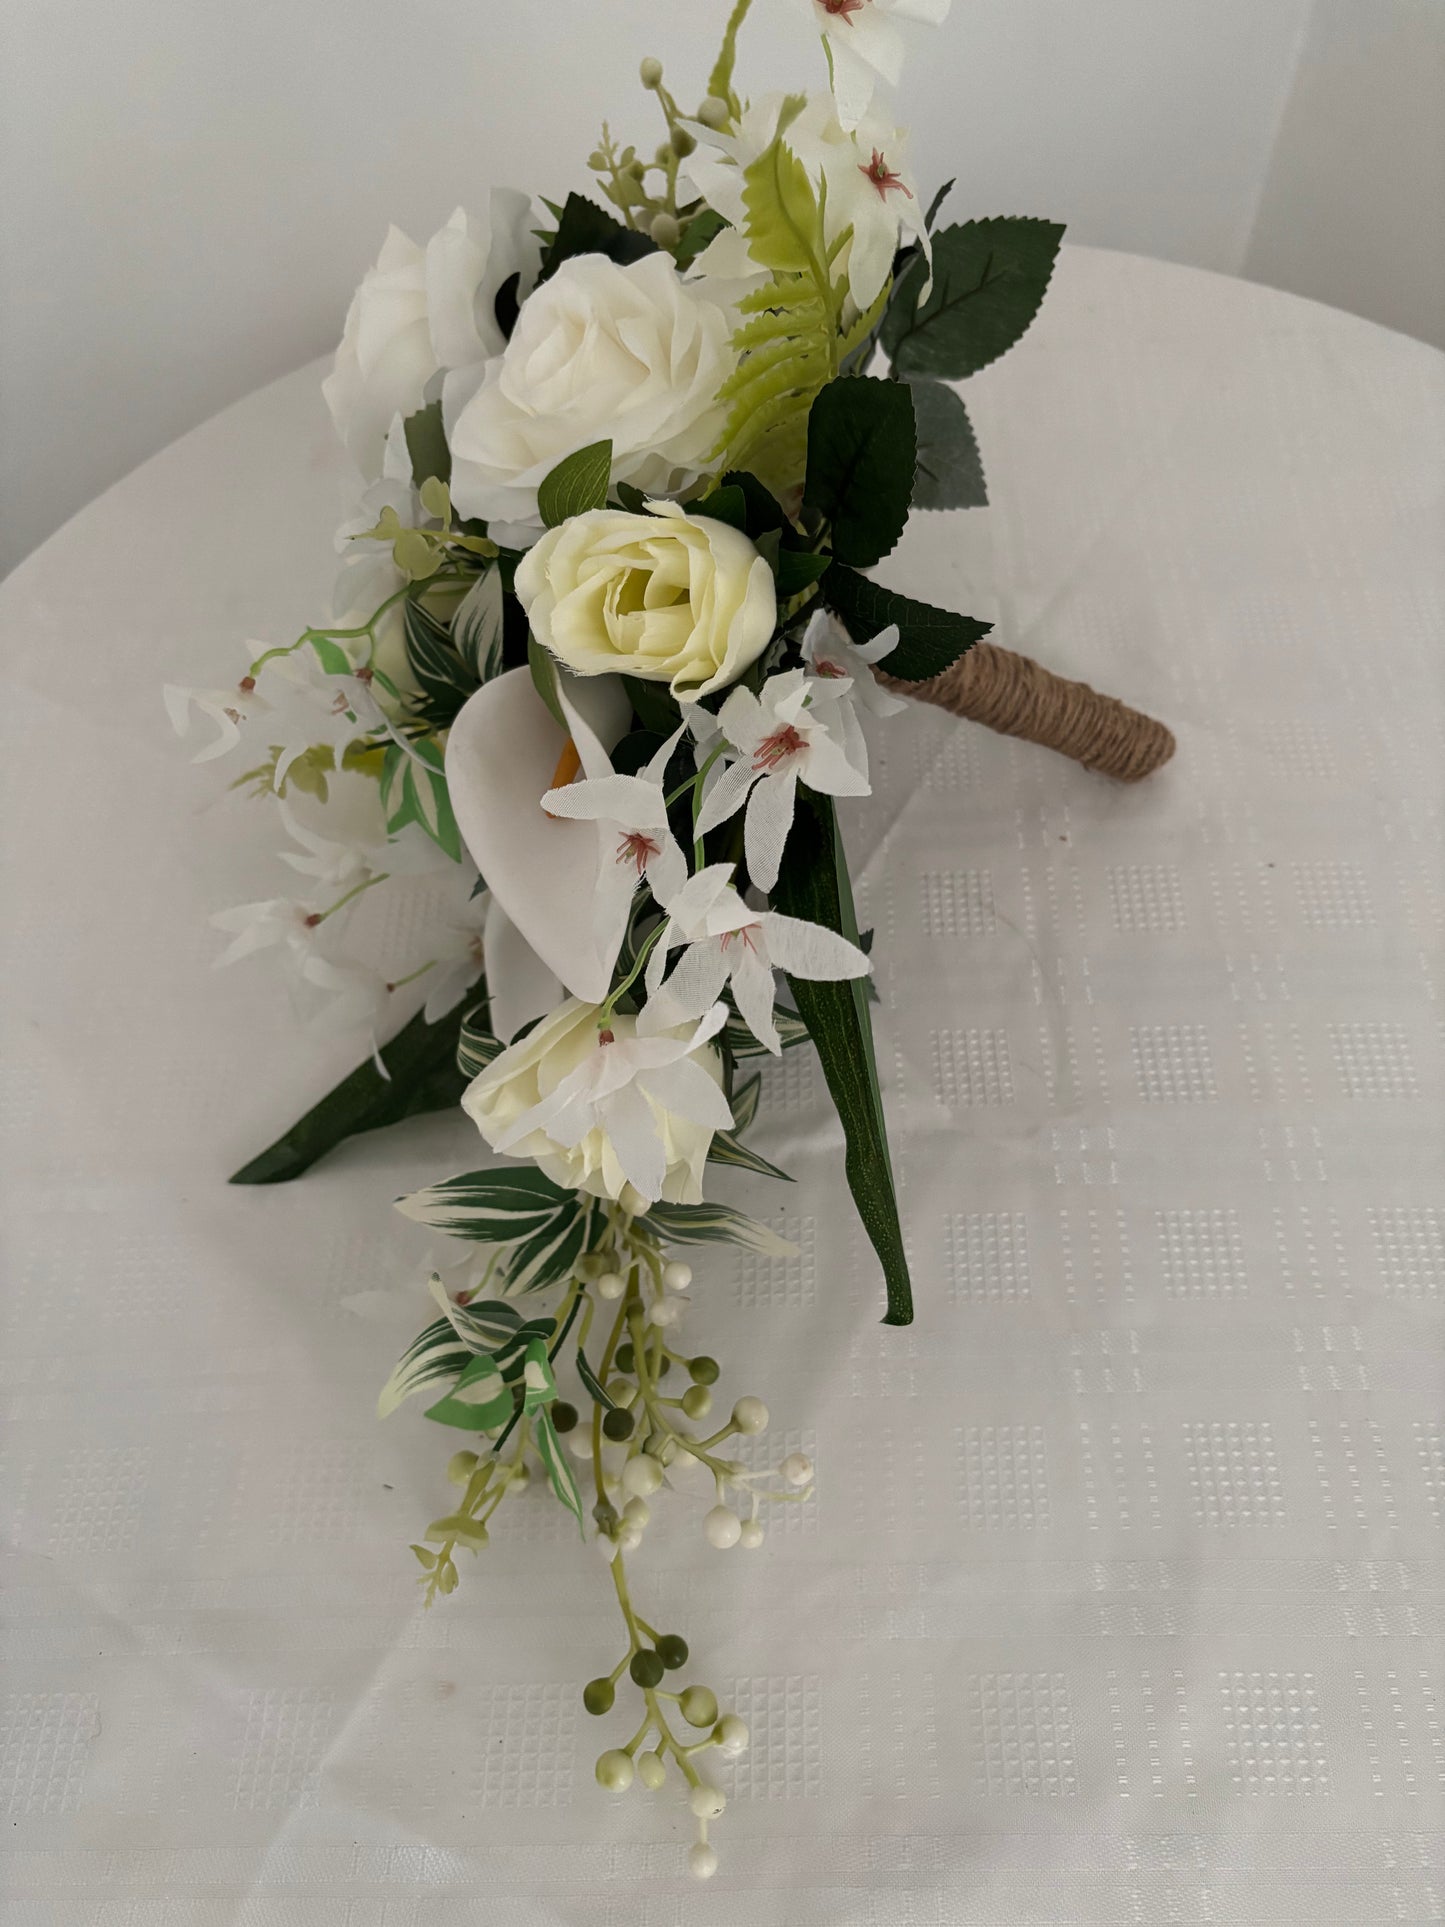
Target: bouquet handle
(1018, 697)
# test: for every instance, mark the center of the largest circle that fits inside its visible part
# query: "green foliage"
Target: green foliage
(414, 790)
(814, 884)
(544, 679)
(426, 444)
(478, 627)
(728, 1148)
(561, 1477)
(929, 640)
(720, 80)
(988, 280)
(592, 1383)
(739, 1041)
(654, 705)
(421, 1077)
(700, 230)
(442, 676)
(744, 1100)
(788, 345)
(489, 1207)
(861, 449)
(576, 484)
(585, 228)
(476, 1046)
(949, 474)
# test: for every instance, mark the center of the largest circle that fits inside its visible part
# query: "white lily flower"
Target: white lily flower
(229, 709)
(315, 708)
(357, 998)
(261, 926)
(607, 1111)
(794, 731)
(831, 655)
(729, 944)
(504, 752)
(634, 841)
(865, 46)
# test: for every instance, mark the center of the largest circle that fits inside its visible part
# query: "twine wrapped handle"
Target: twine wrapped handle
(1017, 697)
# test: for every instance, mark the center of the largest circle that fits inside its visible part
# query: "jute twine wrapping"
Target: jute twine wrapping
(1014, 695)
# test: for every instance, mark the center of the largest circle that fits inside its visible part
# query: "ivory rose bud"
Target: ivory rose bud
(632, 355)
(607, 1112)
(668, 597)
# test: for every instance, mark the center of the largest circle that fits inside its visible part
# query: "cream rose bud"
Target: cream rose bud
(600, 352)
(585, 1139)
(670, 597)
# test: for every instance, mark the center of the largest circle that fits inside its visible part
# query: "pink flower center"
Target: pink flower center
(829, 671)
(776, 749)
(840, 9)
(882, 176)
(637, 848)
(606, 1037)
(746, 934)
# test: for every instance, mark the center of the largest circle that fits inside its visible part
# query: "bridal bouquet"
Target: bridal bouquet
(601, 670)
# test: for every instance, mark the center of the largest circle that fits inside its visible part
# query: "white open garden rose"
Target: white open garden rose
(422, 309)
(666, 596)
(632, 354)
(608, 1112)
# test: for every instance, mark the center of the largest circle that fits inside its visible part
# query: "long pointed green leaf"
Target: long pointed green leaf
(814, 884)
(480, 1399)
(422, 1077)
(492, 1207)
(727, 1148)
(559, 1471)
(716, 1224)
(435, 1353)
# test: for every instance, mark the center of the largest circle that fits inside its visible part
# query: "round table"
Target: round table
(1115, 1601)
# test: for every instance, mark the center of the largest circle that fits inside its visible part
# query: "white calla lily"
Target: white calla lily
(520, 987)
(502, 756)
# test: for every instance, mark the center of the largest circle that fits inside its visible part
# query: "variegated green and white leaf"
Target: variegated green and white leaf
(539, 1387)
(477, 626)
(442, 676)
(480, 1400)
(511, 1354)
(728, 1148)
(484, 1326)
(476, 1046)
(715, 1224)
(592, 1384)
(550, 1254)
(490, 1207)
(434, 1355)
(414, 790)
(559, 1470)
(744, 1101)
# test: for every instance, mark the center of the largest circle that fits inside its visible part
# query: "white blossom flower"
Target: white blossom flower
(607, 1111)
(793, 732)
(229, 709)
(865, 46)
(634, 841)
(727, 943)
(831, 655)
(334, 862)
(421, 310)
(353, 995)
(871, 196)
(632, 354)
(458, 959)
(260, 926)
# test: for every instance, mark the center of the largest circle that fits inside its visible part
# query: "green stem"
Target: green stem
(351, 895)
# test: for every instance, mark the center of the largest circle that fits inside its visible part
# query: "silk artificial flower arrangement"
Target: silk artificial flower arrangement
(601, 670)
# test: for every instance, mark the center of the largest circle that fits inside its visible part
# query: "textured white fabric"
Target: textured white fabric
(1119, 1600)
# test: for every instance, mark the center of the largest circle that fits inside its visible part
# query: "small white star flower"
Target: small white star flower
(831, 656)
(864, 46)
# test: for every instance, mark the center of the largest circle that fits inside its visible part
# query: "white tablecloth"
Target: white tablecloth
(1119, 1599)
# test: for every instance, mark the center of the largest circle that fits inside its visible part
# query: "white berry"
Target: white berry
(629, 1538)
(614, 1770)
(641, 1476)
(611, 1285)
(731, 1735)
(751, 1535)
(707, 1802)
(579, 1441)
(664, 1312)
(651, 1770)
(676, 1276)
(797, 1468)
(723, 1527)
(702, 1861)
(750, 1415)
(637, 1513)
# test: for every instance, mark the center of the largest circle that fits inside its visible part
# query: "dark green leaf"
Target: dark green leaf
(654, 703)
(935, 204)
(764, 510)
(544, 678)
(576, 484)
(421, 1060)
(631, 497)
(860, 464)
(796, 568)
(426, 443)
(728, 1148)
(727, 504)
(929, 640)
(949, 474)
(592, 1382)
(559, 1467)
(506, 306)
(814, 884)
(476, 1045)
(737, 1039)
(701, 229)
(585, 228)
(988, 280)
(744, 1101)
(502, 1207)
(443, 678)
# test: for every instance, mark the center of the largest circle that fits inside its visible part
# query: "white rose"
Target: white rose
(420, 310)
(631, 354)
(669, 597)
(607, 1126)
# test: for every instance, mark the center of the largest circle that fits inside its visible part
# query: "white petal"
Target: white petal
(769, 818)
(624, 800)
(726, 797)
(503, 749)
(632, 1128)
(519, 984)
(809, 950)
(667, 871)
(657, 768)
(693, 988)
(756, 993)
(688, 1092)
